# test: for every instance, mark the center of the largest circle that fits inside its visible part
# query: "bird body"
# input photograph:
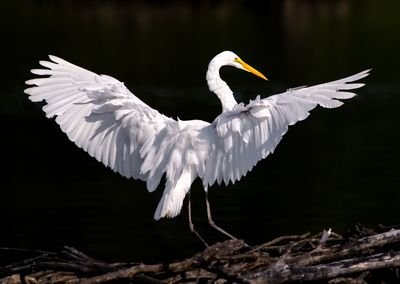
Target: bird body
(100, 115)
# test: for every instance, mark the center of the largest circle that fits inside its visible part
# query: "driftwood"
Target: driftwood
(361, 256)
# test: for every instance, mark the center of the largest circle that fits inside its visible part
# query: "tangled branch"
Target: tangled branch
(358, 257)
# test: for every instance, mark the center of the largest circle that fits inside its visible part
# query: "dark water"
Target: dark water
(336, 169)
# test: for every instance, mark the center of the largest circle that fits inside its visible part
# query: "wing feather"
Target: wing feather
(99, 114)
(248, 133)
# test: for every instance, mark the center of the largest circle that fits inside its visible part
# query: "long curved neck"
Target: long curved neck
(219, 86)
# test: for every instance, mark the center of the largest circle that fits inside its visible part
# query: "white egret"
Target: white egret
(100, 115)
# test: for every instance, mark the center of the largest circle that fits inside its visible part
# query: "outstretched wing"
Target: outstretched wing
(100, 115)
(245, 135)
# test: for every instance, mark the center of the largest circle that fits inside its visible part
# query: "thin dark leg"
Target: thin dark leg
(211, 222)
(191, 223)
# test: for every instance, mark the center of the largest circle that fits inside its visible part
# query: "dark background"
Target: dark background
(338, 168)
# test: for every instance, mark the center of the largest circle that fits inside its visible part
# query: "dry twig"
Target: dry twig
(329, 257)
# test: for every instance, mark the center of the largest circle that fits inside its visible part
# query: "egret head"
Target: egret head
(219, 86)
(231, 59)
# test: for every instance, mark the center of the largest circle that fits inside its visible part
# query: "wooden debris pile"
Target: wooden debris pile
(360, 256)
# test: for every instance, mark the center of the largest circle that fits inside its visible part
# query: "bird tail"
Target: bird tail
(171, 202)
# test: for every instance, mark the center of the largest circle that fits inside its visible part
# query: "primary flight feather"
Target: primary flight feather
(100, 115)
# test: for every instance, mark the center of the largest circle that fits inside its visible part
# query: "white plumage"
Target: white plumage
(100, 115)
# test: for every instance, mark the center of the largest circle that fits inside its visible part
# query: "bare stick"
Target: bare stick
(296, 259)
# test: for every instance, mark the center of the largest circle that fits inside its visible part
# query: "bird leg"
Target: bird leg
(192, 229)
(211, 222)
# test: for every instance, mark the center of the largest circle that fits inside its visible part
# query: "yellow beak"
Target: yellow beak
(250, 69)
